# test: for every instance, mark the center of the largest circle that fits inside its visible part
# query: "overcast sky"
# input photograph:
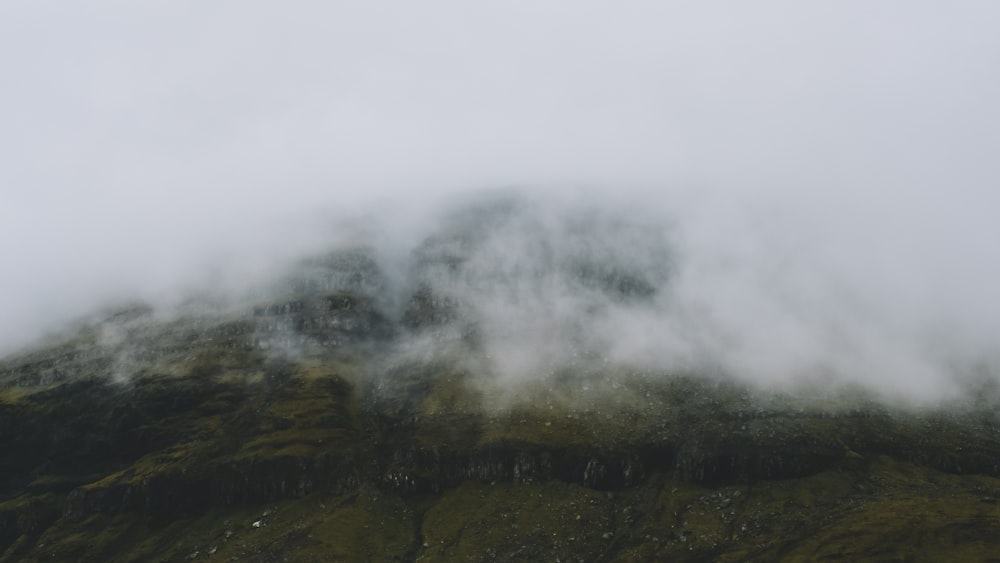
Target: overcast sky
(800, 146)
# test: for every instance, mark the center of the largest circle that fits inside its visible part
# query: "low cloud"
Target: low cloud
(821, 179)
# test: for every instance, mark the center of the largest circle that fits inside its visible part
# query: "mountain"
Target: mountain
(465, 409)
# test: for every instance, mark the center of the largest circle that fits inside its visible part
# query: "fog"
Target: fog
(821, 176)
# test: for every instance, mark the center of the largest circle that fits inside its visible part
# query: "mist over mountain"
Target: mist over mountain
(818, 179)
(536, 283)
(468, 392)
(657, 281)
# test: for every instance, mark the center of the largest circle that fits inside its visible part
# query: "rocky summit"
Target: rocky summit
(344, 416)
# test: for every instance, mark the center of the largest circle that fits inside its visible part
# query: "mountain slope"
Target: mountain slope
(345, 418)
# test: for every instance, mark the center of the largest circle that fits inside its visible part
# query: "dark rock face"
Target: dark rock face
(296, 428)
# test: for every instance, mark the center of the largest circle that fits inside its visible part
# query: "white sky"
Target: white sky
(805, 145)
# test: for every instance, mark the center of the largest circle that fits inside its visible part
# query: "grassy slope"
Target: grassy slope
(183, 460)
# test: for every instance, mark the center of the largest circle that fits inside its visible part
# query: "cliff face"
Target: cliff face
(313, 426)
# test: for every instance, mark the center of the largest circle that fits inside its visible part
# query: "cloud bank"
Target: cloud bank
(826, 172)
